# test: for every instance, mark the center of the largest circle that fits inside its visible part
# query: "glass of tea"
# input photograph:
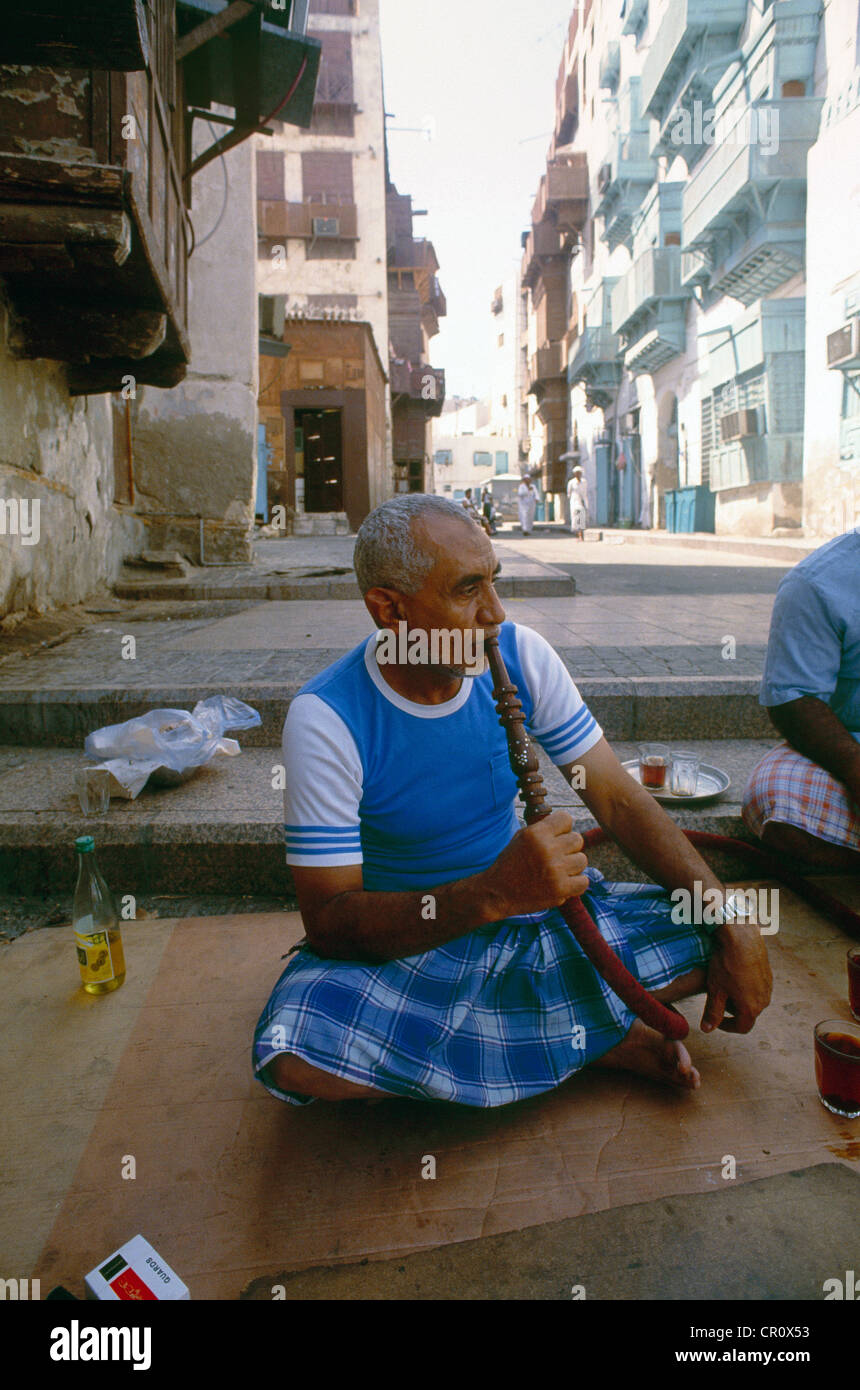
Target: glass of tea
(854, 981)
(837, 1067)
(654, 762)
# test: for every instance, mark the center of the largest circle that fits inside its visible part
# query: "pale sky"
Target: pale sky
(484, 72)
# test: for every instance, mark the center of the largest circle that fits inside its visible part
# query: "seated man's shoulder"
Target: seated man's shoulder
(837, 557)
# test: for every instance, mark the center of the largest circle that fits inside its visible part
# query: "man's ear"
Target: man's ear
(385, 607)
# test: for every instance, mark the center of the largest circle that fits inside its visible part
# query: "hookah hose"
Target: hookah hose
(533, 794)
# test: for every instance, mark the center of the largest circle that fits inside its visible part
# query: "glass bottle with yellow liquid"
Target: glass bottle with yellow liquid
(96, 925)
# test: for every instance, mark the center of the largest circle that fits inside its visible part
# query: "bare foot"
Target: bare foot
(648, 1053)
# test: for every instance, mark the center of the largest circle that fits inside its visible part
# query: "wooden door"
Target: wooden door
(323, 459)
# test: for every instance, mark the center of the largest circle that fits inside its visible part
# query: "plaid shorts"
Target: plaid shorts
(787, 787)
(507, 1011)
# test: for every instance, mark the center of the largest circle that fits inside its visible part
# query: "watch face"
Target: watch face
(737, 908)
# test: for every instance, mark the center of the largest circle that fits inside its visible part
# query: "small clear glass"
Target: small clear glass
(92, 785)
(685, 772)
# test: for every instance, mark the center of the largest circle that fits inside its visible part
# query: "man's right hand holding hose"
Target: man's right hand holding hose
(541, 868)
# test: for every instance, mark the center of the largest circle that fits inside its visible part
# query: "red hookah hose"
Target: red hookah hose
(665, 1020)
(627, 987)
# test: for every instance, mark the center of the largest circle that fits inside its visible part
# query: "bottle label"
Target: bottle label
(94, 956)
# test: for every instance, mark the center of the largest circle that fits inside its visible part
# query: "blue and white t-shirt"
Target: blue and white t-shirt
(418, 794)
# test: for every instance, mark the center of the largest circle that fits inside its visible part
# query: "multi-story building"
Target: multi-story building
(507, 371)
(323, 285)
(415, 305)
(684, 262)
(831, 441)
(467, 451)
(128, 334)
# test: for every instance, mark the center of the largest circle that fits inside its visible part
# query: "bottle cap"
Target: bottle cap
(85, 844)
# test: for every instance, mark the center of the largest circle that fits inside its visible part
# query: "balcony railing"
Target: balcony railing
(625, 177)
(597, 358)
(684, 24)
(418, 382)
(742, 161)
(610, 66)
(545, 364)
(635, 17)
(413, 253)
(655, 276)
(564, 192)
(542, 241)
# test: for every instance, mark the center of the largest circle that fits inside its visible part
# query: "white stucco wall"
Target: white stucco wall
(61, 538)
(831, 487)
(195, 444)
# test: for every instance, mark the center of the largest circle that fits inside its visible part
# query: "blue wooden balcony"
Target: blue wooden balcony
(745, 204)
(625, 177)
(596, 363)
(649, 310)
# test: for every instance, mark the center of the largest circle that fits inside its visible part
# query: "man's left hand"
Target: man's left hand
(739, 979)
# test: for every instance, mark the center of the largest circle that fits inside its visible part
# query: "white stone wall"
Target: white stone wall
(505, 382)
(831, 487)
(61, 538)
(195, 445)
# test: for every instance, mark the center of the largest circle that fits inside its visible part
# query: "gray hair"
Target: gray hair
(387, 553)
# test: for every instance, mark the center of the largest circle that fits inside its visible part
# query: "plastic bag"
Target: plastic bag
(168, 744)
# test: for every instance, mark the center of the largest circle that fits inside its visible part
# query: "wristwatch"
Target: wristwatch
(736, 908)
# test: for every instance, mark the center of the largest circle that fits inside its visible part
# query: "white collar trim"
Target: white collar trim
(411, 706)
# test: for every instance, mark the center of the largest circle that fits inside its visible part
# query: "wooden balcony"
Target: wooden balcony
(417, 382)
(413, 253)
(542, 243)
(545, 364)
(94, 229)
(563, 194)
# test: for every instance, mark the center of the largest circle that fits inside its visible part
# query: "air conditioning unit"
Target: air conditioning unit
(325, 226)
(738, 424)
(843, 346)
(604, 177)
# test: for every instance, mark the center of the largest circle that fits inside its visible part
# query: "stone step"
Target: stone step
(545, 582)
(633, 707)
(222, 831)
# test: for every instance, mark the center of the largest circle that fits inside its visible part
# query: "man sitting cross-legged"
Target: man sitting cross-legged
(436, 963)
(803, 798)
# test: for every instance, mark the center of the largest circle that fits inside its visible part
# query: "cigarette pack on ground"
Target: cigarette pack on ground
(135, 1272)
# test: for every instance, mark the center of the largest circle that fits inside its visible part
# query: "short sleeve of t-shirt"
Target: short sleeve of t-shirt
(324, 787)
(804, 650)
(561, 721)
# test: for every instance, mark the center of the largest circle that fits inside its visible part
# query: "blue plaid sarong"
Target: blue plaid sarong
(507, 1011)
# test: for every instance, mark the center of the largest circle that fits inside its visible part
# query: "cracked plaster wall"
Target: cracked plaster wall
(58, 451)
(196, 444)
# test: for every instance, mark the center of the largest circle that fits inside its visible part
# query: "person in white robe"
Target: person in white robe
(577, 495)
(526, 505)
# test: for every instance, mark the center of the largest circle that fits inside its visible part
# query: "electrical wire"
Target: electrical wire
(257, 129)
(195, 245)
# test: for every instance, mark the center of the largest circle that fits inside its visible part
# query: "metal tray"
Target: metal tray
(712, 784)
